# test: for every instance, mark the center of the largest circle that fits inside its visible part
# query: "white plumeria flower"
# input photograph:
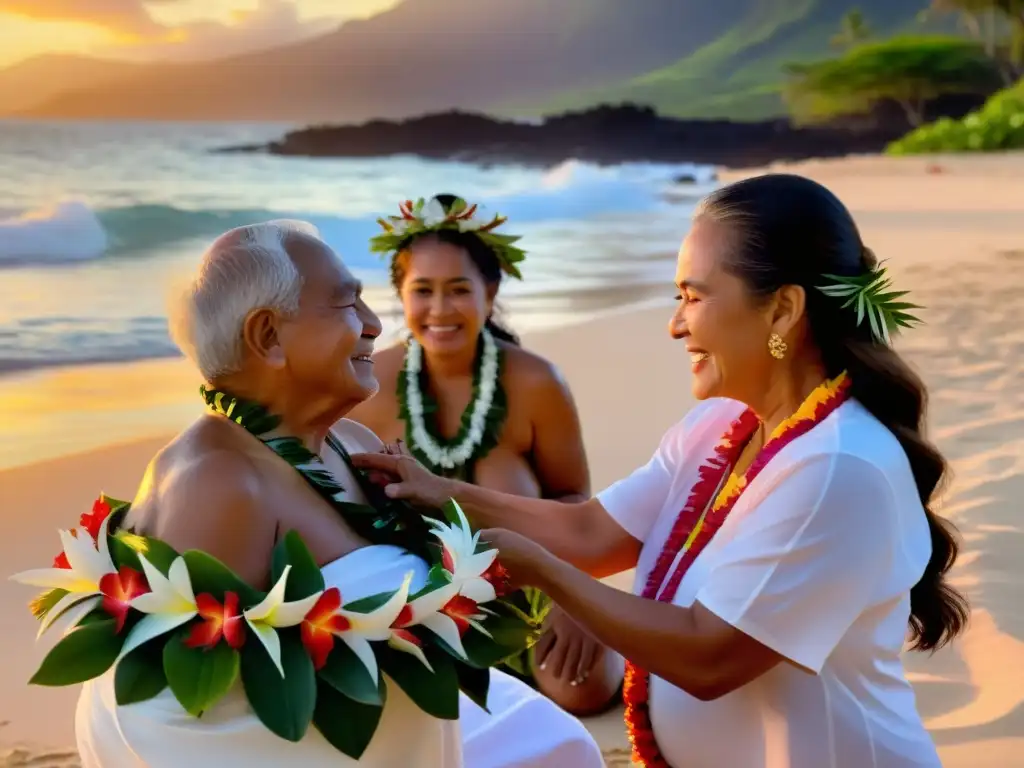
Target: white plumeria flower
(432, 213)
(89, 562)
(273, 613)
(170, 603)
(399, 226)
(471, 224)
(461, 559)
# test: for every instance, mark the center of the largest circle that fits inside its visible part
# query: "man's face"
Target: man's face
(325, 347)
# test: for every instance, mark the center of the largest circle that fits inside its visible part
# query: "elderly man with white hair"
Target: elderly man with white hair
(275, 318)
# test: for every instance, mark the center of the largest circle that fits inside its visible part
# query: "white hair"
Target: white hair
(246, 269)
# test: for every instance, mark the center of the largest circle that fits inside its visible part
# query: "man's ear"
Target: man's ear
(260, 336)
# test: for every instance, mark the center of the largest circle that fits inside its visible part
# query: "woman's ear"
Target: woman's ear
(260, 336)
(790, 304)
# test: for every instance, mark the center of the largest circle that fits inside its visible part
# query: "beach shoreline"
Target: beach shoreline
(952, 230)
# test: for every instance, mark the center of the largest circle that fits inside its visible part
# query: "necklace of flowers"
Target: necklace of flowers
(481, 421)
(711, 500)
(305, 656)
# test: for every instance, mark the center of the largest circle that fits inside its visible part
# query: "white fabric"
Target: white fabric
(524, 729)
(816, 561)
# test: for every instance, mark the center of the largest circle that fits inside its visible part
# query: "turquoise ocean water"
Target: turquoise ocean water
(98, 220)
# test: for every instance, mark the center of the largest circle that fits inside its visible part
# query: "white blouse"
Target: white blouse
(815, 561)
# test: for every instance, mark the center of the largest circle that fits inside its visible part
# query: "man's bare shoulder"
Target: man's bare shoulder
(202, 484)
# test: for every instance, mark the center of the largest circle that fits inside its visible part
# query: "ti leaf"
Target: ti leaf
(346, 724)
(475, 683)
(346, 674)
(284, 704)
(305, 578)
(82, 654)
(437, 692)
(198, 677)
(140, 675)
(208, 574)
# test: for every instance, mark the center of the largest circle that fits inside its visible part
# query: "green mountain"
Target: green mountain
(696, 58)
(739, 73)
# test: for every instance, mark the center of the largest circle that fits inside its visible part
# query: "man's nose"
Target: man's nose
(372, 325)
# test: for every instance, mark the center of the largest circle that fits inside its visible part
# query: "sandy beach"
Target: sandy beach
(953, 232)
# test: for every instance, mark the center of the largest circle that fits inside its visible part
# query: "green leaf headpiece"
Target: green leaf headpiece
(423, 217)
(871, 296)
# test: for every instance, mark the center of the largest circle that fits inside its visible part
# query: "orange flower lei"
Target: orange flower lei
(698, 522)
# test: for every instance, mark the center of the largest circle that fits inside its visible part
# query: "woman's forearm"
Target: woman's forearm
(661, 638)
(562, 527)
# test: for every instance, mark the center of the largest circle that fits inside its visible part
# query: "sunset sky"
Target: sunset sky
(165, 29)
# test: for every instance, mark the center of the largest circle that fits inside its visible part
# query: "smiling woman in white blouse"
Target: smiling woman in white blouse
(781, 533)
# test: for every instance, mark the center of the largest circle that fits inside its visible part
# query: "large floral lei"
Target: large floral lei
(706, 510)
(482, 420)
(305, 656)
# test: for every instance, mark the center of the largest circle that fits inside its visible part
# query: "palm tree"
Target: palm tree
(971, 13)
(853, 29)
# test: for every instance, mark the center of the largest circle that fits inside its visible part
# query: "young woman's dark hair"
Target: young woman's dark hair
(479, 253)
(792, 231)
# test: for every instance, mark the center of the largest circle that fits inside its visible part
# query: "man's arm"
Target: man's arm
(215, 504)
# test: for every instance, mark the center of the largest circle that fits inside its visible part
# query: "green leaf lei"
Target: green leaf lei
(185, 622)
(382, 521)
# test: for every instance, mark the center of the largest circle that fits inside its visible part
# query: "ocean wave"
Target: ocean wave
(71, 231)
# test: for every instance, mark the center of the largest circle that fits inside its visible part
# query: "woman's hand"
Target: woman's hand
(566, 648)
(403, 477)
(523, 559)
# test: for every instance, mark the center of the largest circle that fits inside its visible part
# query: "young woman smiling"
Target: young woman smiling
(472, 404)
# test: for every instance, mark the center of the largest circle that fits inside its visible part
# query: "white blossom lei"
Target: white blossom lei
(456, 455)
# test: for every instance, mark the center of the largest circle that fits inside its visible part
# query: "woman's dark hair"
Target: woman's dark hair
(792, 231)
(479, 253)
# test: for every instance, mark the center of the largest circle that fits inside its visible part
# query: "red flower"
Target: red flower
(461, 609)
(61, 560)
(119, 589)
(447, 561)
(399, 627)
(498, 577)
(321, 624)
(219, 620)
(93, 521)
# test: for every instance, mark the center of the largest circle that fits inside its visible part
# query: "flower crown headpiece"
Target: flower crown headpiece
(422, 217)
(872, 295)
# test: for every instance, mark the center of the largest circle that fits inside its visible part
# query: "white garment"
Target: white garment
(815, 561)
(524, 730)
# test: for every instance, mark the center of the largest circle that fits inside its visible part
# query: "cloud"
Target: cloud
(273, 22)
(142, 36)
(122, 16)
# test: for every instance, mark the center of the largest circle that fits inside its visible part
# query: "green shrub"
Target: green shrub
(997, 125)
